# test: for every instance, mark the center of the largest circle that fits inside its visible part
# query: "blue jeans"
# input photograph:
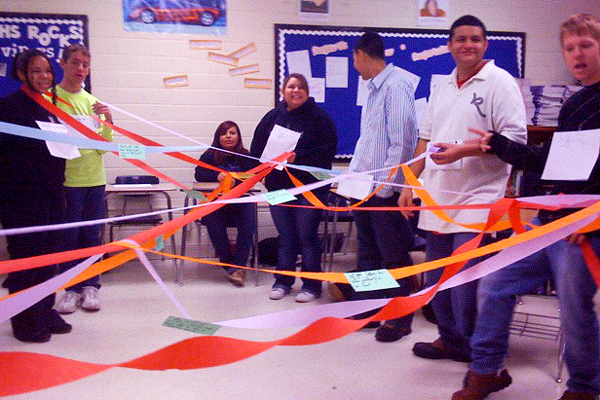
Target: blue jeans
(83, 204)
(240, 216)
(384, 241)
(455, 308)
(298, 234)
(575, 288)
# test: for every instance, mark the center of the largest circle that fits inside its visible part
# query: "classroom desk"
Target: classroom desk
(209, 187)
(141, 190)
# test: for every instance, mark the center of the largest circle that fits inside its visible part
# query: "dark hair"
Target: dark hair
(468, 20)
(221, 156)
(300, 77)
(21, 64)
(371, 44)
(68, 51)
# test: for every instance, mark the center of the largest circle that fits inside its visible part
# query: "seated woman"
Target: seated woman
(242, 216)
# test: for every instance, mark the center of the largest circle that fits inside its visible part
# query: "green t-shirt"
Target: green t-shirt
(87, 170)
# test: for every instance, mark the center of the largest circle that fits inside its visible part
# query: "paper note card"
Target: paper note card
(134, 151)
(244, 51)
(222, 58)
(299, 62)
(199, 196)
(203, 328)
(206, 44)
(256, 83)
(357, 187)
(278, 197)
(60, 150)
(159, 243)
(320, 175)
(316, 87)
(176, 81)
(572, 155)
(362, 92)
(244, 70)
(371, 280)
(281, 140)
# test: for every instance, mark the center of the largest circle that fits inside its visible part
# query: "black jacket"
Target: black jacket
(231, 163)
(317, 145)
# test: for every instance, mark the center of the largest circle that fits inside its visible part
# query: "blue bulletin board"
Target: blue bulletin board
(49, 33)
(421, 52)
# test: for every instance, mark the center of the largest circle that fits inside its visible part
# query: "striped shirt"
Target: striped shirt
(388, 127)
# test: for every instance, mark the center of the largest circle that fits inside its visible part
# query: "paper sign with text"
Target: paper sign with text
(371, 280)
(203, 328)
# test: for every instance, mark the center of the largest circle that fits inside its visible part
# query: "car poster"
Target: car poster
(207, 17)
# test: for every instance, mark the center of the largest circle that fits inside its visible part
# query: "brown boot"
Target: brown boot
(479, 386)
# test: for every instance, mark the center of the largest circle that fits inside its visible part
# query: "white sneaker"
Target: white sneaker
(89, 299)
(277, 294)
(305, 297)
(68, 302)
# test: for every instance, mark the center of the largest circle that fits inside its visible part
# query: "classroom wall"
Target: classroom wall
(128, 67)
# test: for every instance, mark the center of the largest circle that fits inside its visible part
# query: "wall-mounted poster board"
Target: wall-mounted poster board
(324, 55)
(50, 33)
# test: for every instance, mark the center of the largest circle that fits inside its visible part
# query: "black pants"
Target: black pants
(21, 208)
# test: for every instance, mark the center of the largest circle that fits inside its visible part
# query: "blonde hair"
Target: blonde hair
(581, 24)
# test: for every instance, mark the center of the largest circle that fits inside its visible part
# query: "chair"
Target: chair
(529, 321)
(198, 223)
(332, 241)
(139, 193)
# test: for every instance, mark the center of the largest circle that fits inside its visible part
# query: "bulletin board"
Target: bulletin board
(49, 33)
(421, 52)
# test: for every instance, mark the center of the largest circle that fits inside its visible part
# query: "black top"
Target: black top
(230, 163)
(317, 145)
(581, 111)
(25, 163)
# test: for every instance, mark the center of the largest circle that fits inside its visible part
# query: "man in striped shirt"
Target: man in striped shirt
(388, 136)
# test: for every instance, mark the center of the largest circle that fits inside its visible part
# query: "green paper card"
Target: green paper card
(320, 175)
(364, 281)
(278, 197)
(134, 151)
(160, 243)
(194, 194)
(203, 328)
(245, 175)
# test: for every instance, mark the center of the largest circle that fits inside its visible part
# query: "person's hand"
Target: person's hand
(291, 158)
(449, 153)
(575, 238)
(102, 109)
(406, 200)
(221, 176)
(483, 141)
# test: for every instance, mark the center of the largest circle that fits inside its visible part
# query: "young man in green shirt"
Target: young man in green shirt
(84, 176)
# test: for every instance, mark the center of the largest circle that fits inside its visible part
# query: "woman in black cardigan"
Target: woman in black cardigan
(242, 216)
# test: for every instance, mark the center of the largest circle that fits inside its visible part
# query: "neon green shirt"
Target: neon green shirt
(87, 170)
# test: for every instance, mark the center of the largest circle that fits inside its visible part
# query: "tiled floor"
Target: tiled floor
(355, 367)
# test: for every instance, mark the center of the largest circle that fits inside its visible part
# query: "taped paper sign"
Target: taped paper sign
(427, 54)
(176, 81)
(206, 44)
(257, 83)
(357, 187)
(365, 281)
(389, 52)
(244, 51)
(244, 70)
(222, 58)
(329, 48)
(134, 151)
(203, 328)
(159, 243)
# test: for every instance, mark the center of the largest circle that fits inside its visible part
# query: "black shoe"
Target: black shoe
(39, 337)
(389, 333)
(57, 324)
(438, 351)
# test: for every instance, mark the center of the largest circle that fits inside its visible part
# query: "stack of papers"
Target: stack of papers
(548, 101)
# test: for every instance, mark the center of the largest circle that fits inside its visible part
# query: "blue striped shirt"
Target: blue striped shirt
(388, 127)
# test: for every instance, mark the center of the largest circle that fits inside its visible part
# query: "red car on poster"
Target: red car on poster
(204, 12)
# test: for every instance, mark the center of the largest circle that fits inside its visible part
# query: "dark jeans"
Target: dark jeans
(21, 208)
(240, 216)
(83, 204)
(384, 241)
(454, 308)
(298, 234)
